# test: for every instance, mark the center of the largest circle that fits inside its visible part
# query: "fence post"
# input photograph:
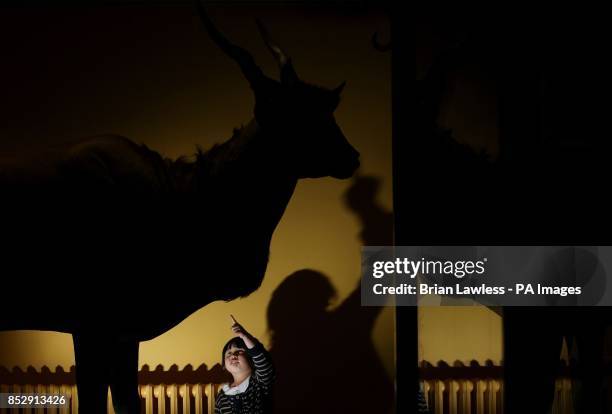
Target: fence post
(146, 392)
(452, 388)
(198, 396)
(173, 394)
(74, 400)
(210, 395)
(186, 397)
(160, 393)
(439, 397)
(17, 390)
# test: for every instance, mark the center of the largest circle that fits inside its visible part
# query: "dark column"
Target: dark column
(403, 66)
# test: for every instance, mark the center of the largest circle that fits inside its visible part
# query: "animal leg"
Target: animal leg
(124, 377)
(92, 374)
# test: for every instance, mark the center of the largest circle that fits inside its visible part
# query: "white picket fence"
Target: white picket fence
(475, 396)
(193, 397)
(476, 389)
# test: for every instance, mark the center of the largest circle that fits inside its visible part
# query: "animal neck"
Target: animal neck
(252, 178)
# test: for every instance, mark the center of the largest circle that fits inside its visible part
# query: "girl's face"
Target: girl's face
(236, 361)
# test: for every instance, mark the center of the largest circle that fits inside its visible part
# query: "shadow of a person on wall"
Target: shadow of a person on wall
(325, 358)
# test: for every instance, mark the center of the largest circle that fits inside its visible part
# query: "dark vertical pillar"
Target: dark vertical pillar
(403, 75)
(519, 81)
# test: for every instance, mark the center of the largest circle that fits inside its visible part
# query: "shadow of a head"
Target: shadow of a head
(305, 295)
(317, 347)
(376, 221)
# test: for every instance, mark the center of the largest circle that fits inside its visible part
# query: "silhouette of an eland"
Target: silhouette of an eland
(111, 242)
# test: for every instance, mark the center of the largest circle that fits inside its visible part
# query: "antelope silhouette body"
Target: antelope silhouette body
(111, 242)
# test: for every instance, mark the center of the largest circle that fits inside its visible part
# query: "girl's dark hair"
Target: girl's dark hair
(236, 342)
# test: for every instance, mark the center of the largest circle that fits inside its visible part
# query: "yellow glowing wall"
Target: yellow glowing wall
(459, 333)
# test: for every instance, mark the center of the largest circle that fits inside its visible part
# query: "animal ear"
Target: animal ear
(288, 76)
(338, 90)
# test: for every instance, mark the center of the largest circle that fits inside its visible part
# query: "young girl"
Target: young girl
(252, 371)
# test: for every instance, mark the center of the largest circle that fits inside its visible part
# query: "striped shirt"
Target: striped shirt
(256, 399)
(422, 404)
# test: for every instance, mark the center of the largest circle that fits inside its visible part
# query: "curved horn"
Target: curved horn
(288, 74)
(378, 46)
(244, 59)
(276, 51)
